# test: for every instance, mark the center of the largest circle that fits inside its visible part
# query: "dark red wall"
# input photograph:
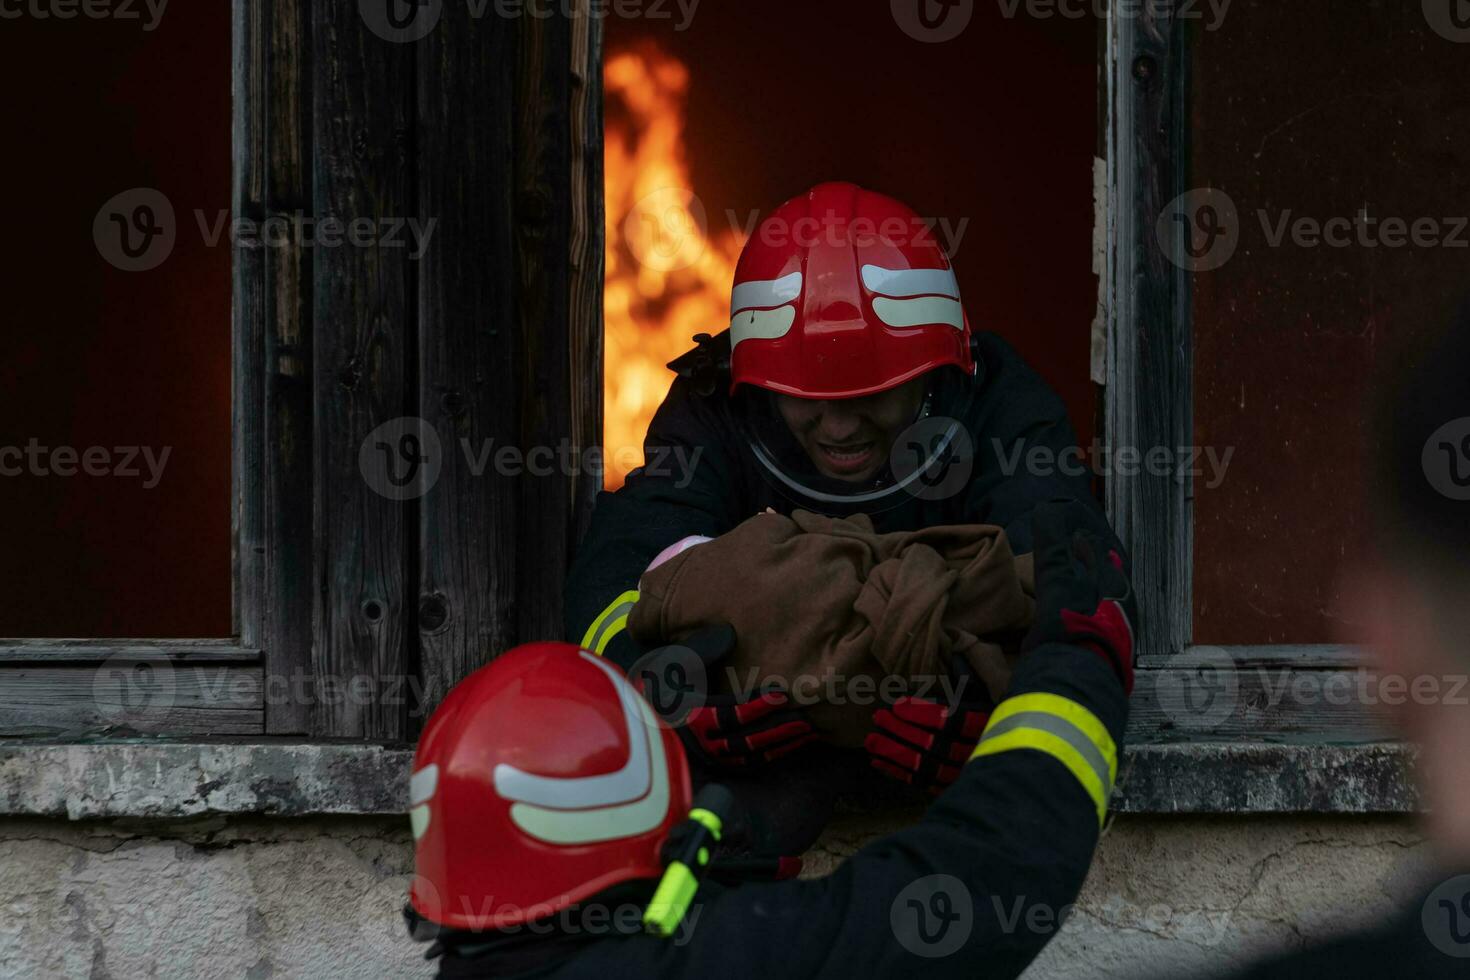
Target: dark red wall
(998, 126)
(1320, 109)
(98, 357)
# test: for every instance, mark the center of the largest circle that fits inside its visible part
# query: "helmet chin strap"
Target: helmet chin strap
(861, 498)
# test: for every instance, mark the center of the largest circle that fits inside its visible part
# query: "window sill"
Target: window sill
(172, 780)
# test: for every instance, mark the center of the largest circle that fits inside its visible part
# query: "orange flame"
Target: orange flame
(668, 278)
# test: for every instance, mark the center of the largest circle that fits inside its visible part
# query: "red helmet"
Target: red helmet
(542, 779)
(843, 292)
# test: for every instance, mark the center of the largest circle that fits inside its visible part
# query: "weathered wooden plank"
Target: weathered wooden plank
(543, 243)
(1205, 702)
(1303, 656)
(468, 345)
(250, 69)
(1148, 398)
(363, 322)
(588, 257)
(131, 695)
(97, 651)
(288, 595)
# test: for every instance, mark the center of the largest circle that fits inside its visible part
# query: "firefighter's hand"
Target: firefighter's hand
(734, 731)
(1083, 597)
(925, 743)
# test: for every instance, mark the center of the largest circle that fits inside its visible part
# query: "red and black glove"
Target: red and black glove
(731, 733)
(926, 743)
(1083, 596)
(726, 731)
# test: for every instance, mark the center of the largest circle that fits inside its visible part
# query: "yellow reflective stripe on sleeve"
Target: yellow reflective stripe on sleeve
(1064, 730)
(609, 623)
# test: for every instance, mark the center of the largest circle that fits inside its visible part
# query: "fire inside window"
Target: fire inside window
(669, 263)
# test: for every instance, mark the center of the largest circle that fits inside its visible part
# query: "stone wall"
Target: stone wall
(319, 897)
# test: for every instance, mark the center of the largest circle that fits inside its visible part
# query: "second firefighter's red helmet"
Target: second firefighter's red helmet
(841, 293)
(542, 779)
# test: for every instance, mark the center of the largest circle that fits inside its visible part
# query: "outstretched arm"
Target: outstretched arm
(684, 489)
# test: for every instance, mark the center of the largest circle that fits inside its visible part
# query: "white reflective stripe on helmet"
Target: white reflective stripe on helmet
(421, 785)
(603, 823)
(911, 282)
(628, 783)
(763, 294)
(761, 324)
(418, 820)
(920, 312)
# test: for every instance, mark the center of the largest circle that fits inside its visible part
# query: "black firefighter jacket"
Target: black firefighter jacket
(1011, 414)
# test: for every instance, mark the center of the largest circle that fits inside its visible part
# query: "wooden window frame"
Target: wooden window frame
(1149, 402)
(491, 126)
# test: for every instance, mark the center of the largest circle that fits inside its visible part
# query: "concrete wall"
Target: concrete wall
(316, 898)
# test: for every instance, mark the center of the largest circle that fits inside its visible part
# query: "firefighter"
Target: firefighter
(555, 833)
(849, 381)
(1409, 594)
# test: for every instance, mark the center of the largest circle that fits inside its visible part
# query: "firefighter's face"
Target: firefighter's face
(850, 438)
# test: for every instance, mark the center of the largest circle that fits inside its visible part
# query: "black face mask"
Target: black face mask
(927, 448)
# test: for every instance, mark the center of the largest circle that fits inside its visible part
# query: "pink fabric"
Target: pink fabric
(675, 549)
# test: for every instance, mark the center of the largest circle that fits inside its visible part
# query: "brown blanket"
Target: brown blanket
(830, 609)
